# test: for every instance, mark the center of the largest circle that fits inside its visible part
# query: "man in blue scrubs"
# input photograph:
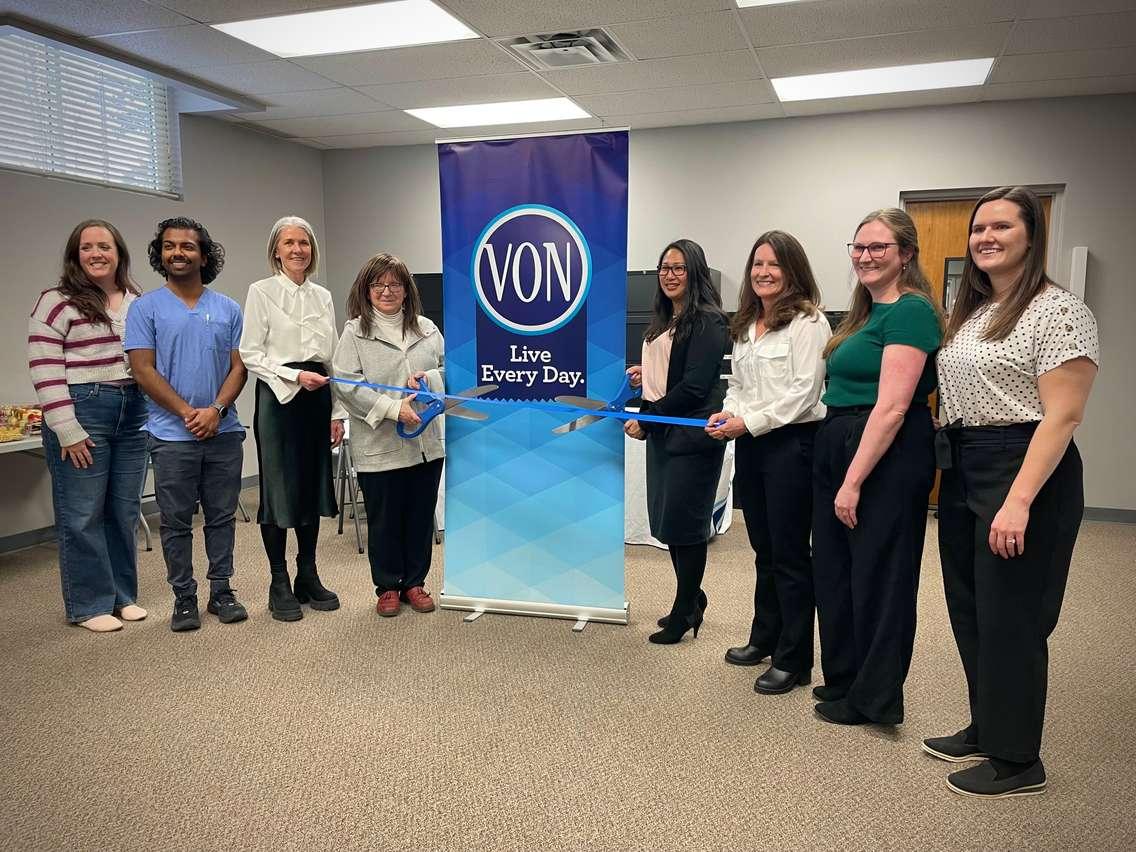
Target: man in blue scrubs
(183, 342)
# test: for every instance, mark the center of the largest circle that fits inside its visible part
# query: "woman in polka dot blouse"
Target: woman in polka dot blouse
(1018, 360)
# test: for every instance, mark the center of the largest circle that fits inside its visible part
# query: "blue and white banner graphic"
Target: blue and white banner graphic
(534, 254)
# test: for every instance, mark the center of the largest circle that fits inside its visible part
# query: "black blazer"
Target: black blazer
(694, 387)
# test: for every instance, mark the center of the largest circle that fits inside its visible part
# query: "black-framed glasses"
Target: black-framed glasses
(381, 288)
(875, 250)
(677, 270)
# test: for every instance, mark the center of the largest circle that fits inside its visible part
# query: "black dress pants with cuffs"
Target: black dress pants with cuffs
(867, 578)
(1003, 610)
(400, 523)
(773, 480)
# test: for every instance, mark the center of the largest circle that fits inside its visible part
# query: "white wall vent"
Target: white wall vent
(550, 51)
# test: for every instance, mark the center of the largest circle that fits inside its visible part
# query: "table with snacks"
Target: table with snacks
(20, 429)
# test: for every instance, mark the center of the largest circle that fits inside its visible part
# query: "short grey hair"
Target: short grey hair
(274, 237)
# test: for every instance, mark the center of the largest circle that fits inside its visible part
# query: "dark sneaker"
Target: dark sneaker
(226, 607)
(987, 781)
(954, 748)
(186, 616)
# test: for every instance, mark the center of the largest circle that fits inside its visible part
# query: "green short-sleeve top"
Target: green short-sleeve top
(854, 367)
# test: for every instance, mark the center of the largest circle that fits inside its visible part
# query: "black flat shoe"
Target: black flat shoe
(774, 681)
(703, 602)
(840, 713)
(997, 780)
(954, 749)
(745, 655)
(828, 693)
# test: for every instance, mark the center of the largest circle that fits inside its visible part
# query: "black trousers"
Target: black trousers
(400, 523)
(773, 481)
(867, 578)
(1003, 610)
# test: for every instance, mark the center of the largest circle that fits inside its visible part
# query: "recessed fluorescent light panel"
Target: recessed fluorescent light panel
(742, 4)
(380, 25)
(880, 81)
(505, 112)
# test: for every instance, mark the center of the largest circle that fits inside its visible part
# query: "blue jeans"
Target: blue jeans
(97, 508)
(187, 473)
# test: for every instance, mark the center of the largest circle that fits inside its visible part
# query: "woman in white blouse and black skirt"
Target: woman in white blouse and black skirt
(288, 341)
(772, 409)
(1018, 361)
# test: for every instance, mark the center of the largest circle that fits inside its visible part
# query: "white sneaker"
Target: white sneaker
(132, 612)
(102, 624)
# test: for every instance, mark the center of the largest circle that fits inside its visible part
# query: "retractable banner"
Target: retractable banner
(534, 249)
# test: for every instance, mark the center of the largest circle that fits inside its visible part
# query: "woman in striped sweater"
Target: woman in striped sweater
(93, 414)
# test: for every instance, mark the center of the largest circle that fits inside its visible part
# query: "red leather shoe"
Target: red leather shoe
(419, 599)
(388, 604)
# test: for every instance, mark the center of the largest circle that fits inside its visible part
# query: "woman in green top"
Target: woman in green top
(872, 473)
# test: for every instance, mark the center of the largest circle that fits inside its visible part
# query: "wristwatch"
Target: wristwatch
(222, 410)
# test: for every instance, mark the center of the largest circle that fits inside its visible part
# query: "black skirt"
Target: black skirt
(293, 444)
(681, 489)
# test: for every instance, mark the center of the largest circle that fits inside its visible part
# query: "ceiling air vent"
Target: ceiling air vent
(550, 51)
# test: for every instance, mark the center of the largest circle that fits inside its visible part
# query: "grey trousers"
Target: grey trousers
(186, 473)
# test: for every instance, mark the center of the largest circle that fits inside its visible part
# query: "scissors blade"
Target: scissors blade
(581, 401)
(471, 393)
(465, 413)
(578, 423)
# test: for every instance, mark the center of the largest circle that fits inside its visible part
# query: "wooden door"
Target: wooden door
(943, 233)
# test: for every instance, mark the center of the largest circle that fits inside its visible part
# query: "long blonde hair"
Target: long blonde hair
(911, 278)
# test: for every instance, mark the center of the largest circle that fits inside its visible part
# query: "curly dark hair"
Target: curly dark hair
(212, 251)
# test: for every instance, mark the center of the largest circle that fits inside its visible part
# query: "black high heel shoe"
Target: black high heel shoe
(669, 636)
(703, 602)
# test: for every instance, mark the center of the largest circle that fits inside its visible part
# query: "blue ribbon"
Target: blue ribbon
(436, 404)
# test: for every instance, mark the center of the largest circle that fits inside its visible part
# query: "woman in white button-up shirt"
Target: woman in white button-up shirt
(772, 409)
(288, 341)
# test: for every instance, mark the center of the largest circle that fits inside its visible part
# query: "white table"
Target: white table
(24, 445)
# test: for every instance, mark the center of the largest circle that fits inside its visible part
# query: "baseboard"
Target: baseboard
(1115, 516)
(31, 538)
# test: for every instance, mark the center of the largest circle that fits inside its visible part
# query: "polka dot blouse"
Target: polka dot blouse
(994, 382)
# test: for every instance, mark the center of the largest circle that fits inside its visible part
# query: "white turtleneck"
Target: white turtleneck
(392, 326)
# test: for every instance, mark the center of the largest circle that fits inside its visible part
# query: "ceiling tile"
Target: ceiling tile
(709, 32)
(508, 17)
(897, 100)
(340, 101)
(883, 51)
(1084, 32)
(742, 93)
(428, 62)
(264, 78)
(657, 73)
(1061, 88)
(338, 125)
(217, 11)
(1054, 66)
(797, 23)
(187, 47)
(462, 90)
(696, 116)
(95, 17)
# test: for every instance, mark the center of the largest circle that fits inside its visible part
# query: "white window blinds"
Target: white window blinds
(67, 113)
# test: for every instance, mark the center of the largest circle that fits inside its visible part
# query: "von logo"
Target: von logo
(531, 269)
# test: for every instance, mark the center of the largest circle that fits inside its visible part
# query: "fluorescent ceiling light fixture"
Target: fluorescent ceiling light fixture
(504, 112)
(380, 25)
(879, 81)
(744, 3)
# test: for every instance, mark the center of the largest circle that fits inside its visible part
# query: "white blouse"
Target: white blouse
(994, 382)
(285, 322)
(656, 360)
(778, 378)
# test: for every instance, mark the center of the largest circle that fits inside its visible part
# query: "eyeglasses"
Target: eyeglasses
(875, 250)
(678, 270)
(382, 288)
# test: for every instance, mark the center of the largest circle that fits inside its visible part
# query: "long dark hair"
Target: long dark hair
(700, 295)
(911, 278)
(87, 297)
(799, 294)
(359, 301)
(212, 251)
(975, 288)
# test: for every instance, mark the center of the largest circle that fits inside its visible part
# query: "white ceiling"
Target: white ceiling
(694, 61)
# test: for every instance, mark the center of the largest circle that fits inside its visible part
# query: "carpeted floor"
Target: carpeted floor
(347, 731)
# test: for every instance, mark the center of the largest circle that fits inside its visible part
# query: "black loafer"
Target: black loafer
(954, 749)
(986, 781)
(840, 713)
(745, 655)
(775, 681)
(828, 693)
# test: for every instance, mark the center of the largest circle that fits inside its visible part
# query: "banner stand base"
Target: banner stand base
(579, 614)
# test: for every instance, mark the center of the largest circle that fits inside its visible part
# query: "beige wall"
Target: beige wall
(237, 184)
(815, 177)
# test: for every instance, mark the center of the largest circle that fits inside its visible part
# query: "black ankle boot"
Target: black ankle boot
(281, 602)
(703, 602)
(310, 590)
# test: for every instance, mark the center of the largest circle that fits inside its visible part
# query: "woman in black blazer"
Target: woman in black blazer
(680, 377)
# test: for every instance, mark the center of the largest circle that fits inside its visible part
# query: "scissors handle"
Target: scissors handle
(437, 406)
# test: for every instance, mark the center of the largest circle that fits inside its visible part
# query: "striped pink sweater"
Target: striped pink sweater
(66, 349)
